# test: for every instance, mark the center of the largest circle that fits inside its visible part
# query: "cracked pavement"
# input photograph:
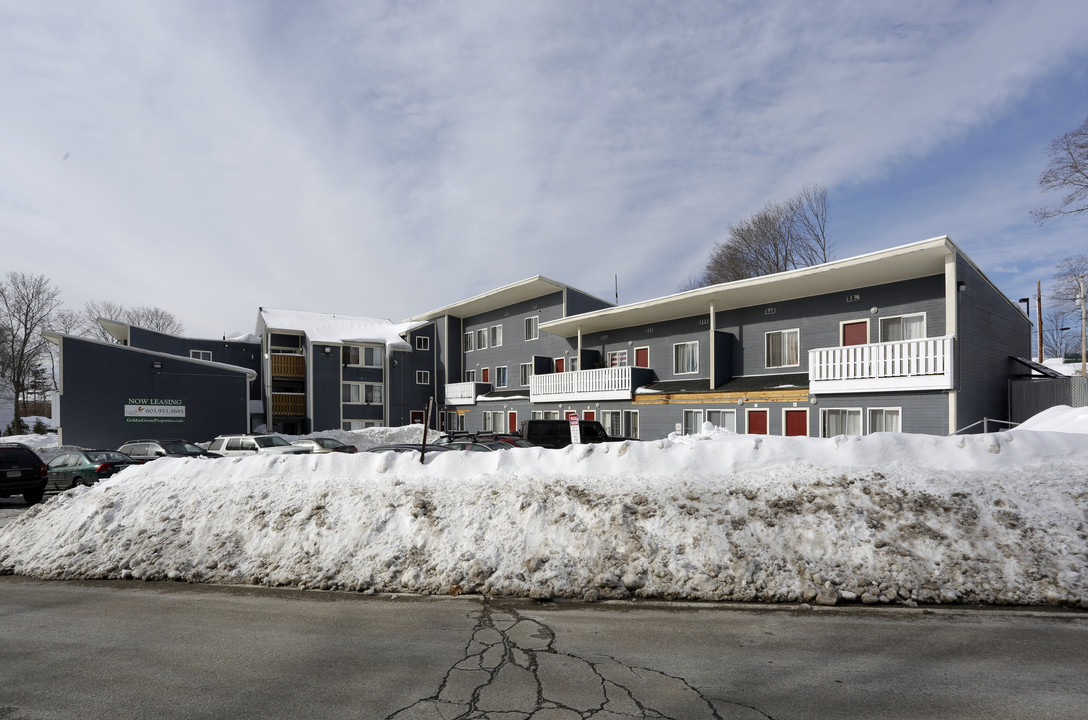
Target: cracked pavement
(512, 670)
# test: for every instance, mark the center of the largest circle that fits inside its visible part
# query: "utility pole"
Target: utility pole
(1039, 306)
(1081, 301)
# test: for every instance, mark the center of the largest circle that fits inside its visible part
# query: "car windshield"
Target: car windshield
(193, 449)
(270, 441)
(177, 448)
(329, 443)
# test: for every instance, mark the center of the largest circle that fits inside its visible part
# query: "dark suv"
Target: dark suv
(22, 472)
(556, 433)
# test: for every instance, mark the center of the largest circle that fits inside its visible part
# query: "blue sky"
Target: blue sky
(383, 159)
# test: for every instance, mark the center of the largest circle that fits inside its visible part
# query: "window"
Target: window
(360, 424)
(362, 356)
(470, 343)
(526, 373)
(470, 376)
(423, 342)
(481, 339)
(572, 364)
(783, 348)
(536, 414)
(552, 415)
(840, 421)
(685, 358)
(885, 420)
(725, 419)
(612, 421)
(642, 357)
(630, 424)
(423, 377)
(362, 393)
(532, 328)
(496, 336)
(904, 327)
(200, 354)
(493, 420)
(617, 358)
(693, 422)
(500, 377)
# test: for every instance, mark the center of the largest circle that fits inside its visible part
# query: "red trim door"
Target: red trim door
(642, 357)
(589, 415)
(486, 375)
(796, 423)
(512, 421)
(855, 333)
(758, 422)
(559, 364)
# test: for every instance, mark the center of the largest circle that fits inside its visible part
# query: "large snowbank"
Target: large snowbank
(996, 518)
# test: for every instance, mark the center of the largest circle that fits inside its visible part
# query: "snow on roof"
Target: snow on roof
(328, 328)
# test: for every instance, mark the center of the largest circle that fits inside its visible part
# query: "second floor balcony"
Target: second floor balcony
(288, 365)
(465, 393)
(613, 383)
(288, 404)
(923, 364)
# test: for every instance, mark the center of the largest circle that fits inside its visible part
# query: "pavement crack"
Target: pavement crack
(512, 670)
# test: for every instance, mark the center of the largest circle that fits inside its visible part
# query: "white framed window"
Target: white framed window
(423, 377)
(552, 415)
(349, 425)
(783, 348)
(470, 341)
(423, 342)
(481, 339)
(201, 354)
(617, 358)
(885, 420)
(840, 421)
(362, 356)
(470, 376)
(493, 420)
(685, 358)
(501, 378)
(693, 422)
(903, 327)
(496, 336)
(536, 414)
(572, 363)
(361, 393)
(612, 421)
(526, 373)
(725, 419)
(532, 328)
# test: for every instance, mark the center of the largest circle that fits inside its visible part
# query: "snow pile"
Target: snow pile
(1061, 418)
(997, 518)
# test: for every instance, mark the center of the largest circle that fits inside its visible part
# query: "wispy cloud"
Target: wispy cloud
(386, 158)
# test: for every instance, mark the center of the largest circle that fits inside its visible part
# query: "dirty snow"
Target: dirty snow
(886, 518)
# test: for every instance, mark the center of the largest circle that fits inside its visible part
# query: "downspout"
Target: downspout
(580, 348)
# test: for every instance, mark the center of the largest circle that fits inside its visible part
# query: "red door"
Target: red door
(797, 422)
(757, 422)
(486, 375)
(642, 357)
(589, 415)
(559, 364)
(855, 333)
(416, 417)
(512, 421)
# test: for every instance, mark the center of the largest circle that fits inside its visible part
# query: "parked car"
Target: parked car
(556, 433)
(147, 450)
(237, 445)
(406, 447)
(22, 472)
(320, 445)
(86, 467)
(462, 436)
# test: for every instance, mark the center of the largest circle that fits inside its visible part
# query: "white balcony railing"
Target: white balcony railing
(924, 364)
(465, 393)
(612, 383)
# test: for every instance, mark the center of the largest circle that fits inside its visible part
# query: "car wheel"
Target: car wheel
(77, 481)
(33, 497)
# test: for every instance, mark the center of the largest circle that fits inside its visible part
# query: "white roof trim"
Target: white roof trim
(520, 291)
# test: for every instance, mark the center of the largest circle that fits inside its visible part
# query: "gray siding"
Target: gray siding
(242, 354)
(660, 339)
(991, 329)
(324, 392)
(578, 302)
(515, 349)
(407, 395)
(97, 380)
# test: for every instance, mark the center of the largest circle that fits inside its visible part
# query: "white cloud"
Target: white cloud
(386, 159)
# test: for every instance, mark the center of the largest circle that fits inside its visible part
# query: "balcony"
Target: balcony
(465, 393)
(614, 383)
(924, 364)
(288, 405)
(288, 365)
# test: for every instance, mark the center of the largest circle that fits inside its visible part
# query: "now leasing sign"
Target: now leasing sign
(154, 410)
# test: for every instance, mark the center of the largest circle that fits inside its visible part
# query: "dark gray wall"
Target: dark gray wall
(242, 354)
(324, 393)
(991, 329)
(578, 302)
(406, 394)
(98, 379)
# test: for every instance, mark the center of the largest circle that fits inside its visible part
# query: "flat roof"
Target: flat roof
(520, 291)
(905, 262)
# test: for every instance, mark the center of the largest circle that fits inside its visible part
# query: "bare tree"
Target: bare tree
(1061, 332)
(26, 304)
(1065, 288)
(779, 236)
(1066, 172)
(150, 318)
